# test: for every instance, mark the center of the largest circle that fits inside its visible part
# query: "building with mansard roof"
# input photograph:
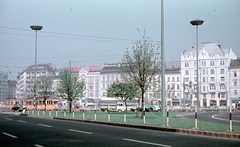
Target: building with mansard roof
(213, 74)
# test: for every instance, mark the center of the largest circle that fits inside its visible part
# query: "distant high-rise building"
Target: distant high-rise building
(11, 89)
(3, 86)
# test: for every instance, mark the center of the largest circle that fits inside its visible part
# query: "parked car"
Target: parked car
(19, 107)
(80, 109)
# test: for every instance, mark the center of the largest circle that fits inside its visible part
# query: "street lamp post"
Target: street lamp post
(196, 23)
(36, 28)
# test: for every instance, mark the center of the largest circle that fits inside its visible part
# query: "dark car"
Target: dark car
(18, 107)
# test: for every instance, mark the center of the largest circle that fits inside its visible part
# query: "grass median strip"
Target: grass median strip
(152, 119)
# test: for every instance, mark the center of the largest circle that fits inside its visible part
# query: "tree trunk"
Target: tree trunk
(70, 106)
(45, 103)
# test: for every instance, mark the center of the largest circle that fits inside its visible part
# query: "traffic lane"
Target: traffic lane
(110, 135)
(102, 132)
(216, 117)
(105, 131)
(29, 134)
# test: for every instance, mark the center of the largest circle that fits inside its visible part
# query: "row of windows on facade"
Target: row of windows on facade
(205, 79)
(204, 63)
(205, 71)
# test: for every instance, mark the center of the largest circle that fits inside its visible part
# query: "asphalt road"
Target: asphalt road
(25, 131)
(216, 117)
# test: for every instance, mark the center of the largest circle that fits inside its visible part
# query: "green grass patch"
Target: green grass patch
(152, 119)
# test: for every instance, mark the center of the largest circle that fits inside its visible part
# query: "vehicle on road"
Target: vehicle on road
(119, 106)
(154, 106)
(19, 107)
(80, 109)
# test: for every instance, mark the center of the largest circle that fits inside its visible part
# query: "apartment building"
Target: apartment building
(26, 81)
(3, 86)
(213, 74)
(12, 88)
(234, 81)
(110, 73)
(91, 76)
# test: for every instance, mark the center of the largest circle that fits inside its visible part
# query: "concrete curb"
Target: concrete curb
(168, 129)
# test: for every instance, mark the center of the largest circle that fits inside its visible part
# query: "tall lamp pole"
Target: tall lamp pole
(36, 28)
(196, 23)
(163, 61)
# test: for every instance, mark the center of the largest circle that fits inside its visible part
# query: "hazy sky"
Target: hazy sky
(94, 32)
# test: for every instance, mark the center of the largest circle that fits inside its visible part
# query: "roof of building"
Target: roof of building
(111, 68)
(41, 67)
(210, 48)
(235, 64)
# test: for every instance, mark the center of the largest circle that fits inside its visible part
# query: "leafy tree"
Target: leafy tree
(141, 65)
(44, 85)
(70, 88)
(122, 91)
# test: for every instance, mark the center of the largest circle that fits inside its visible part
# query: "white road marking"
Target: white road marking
(9, 119)
(37, 145)
(45, 125)
(9, 135)
(21, 121)
(223, 119)
(79, 131)
(149, 143)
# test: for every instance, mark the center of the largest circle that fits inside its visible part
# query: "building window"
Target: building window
(212, 87)
(235, 83)
(186, 64)
(204, 80)
(222, 71)
(203, 63)
(173, 79)
(212, 79)
(104, 94)
(222, 86)
(195, 64)
(211, 63)
(204, 96)
(195, 72)
(186, 79)
(204, 88)
(212, 71)
(168, 86)
(203, 71)
(178, 79)
(212, 95)
(168, 79)
(186, 72)
(195, 79)
(222, 62)
(177, 87)
(222, 79)
(222, 95)
(235, 74)
(235, 92)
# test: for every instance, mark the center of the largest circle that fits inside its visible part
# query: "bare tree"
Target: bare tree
(44, 85)
(141, 65)
(70, 88)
